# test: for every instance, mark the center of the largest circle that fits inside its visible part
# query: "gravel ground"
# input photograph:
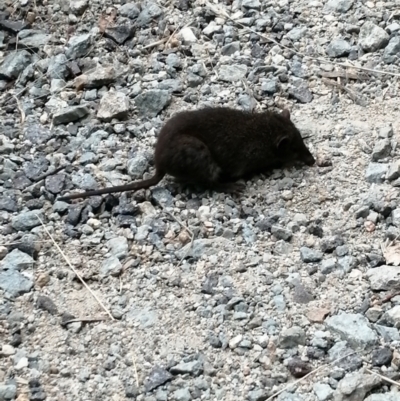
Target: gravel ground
(198, 295)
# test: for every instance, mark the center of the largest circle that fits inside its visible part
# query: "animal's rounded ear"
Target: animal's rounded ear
(286, 114)
(283, 143)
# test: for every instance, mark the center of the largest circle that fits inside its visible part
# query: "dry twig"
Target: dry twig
(307, 375)
(74, 270)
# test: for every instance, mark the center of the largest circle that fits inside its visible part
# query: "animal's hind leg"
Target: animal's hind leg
(190, 161)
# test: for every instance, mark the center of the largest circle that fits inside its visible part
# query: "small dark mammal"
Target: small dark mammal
(213, 147)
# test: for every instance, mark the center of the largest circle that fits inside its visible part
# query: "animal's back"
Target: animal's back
(239, 141)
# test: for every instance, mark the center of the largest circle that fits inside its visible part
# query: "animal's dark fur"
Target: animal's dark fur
(215, 146)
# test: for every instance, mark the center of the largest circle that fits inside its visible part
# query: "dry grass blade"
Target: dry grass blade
(74, 270)
(307, 375)
(383, 377)
(21, 110)
(136, 372)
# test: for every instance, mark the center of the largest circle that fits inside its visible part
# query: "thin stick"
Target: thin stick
(383, 377)
(307, 375)
(74, 270)
(159, 42)
(51, 172)
(84, 320)
(21, 110)
(136, 372)
(223, 13)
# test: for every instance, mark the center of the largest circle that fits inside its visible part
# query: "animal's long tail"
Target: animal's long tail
(121, 188)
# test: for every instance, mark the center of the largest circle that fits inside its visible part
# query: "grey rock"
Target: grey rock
(113, 105)
(120, 33)
(283, 248)
(230, 48)
(339, 6)
(247, 102)
(55, 183)
(279, 302)
(383, 278)
(152, 102)
(17, 260)
(8, 204)
(97, 78)
(338, 48)
(8, 392)
(70, 114)
(393, 171)
(297, 33)
(45, 303)
(187, 36)
(194, 80)
(162, 196)
(292, 337)
(251, 4)
(202, 247)
(309, 255)
(287, 396)
(137, 165)
(349, 361)
(376, 172)
(212, 28)
(182, 394)
(391, 317)
(347, 264)
(142, 232)
(119, 247)
(301, 294)
(389, 334)
(14, 283)
(33, 39)
(328, 265)
(301, 93)
(13, 64)
(192, 367)
(232, 73)
(157, 377)
(79, 46)
(396, 217)
(130, 10)
(173, 60)
(390, 396)
(172, 85)
(25, 221)
(60, 207)
(381, 149)
(270, 86)
(372, 37)
(37, 133)
(111, 266)
(354, 328)
(88, 158)
(258, 395)
(78, 7)
(323, 391)
(58, 67)
(281, 233)
(381, 356)
(392, 51)
(298, 69)
(149, 12)
(355, 386)
(84, 181)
